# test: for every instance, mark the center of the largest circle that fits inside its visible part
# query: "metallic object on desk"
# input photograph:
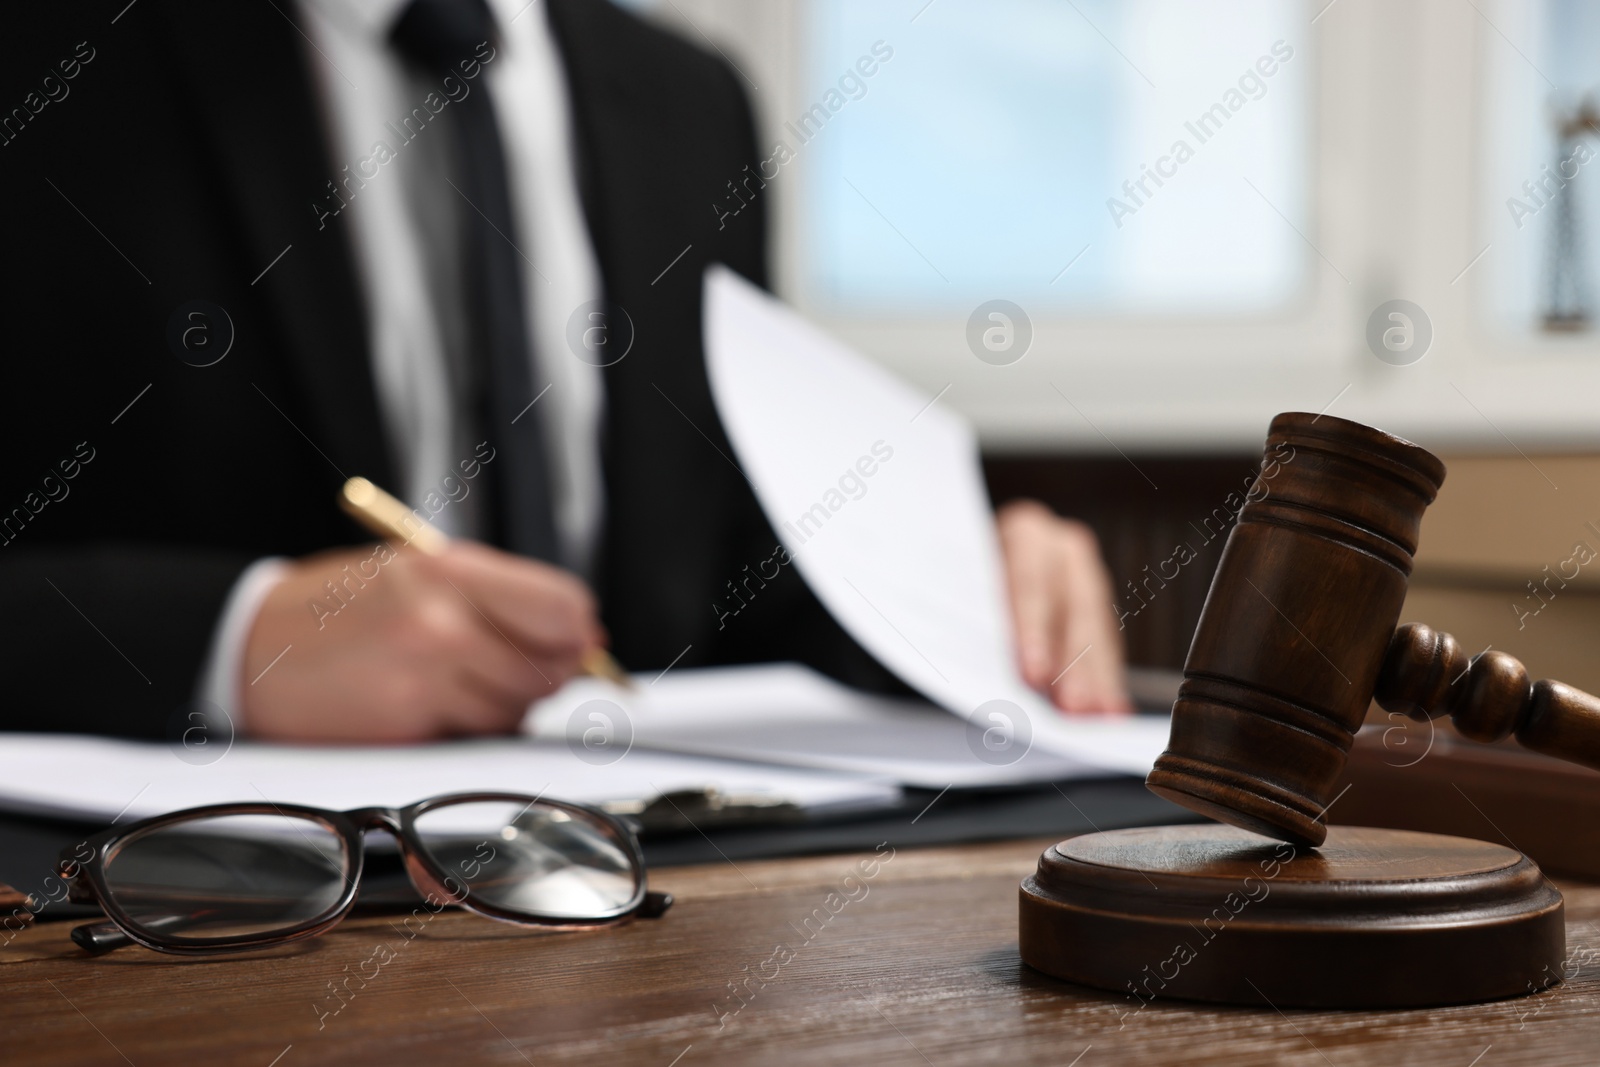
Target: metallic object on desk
(695, 809)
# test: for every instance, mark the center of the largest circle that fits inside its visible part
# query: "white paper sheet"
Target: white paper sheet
(99, 778)
(906, 559)
(789, 714)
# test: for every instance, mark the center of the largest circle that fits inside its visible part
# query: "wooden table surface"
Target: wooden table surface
(916, 964)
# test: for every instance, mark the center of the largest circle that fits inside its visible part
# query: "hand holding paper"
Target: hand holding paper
(907, 560)
(1068, 641)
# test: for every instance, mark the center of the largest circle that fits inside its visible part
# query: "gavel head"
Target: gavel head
(1296, 625)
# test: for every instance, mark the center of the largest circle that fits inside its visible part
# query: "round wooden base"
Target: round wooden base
(1372, 919)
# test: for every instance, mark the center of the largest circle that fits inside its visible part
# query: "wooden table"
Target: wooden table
(916, 964)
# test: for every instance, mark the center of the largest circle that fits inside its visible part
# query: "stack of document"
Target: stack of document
(103, 780)
(788, 715)
(768, 735)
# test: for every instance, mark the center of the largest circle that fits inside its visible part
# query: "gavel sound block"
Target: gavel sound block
(1296, 639)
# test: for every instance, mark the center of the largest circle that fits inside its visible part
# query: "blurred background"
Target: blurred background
(1197, 216)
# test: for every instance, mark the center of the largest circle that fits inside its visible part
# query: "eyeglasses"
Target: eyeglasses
(234, 877)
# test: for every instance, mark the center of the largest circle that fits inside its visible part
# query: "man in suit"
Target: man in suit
(223, 299)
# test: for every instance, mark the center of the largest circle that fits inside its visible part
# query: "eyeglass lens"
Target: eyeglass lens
(228, 876)
(534, 859)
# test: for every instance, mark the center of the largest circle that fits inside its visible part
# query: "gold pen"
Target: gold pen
(388, 517)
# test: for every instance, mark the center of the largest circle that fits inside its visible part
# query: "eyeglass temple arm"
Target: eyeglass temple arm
(99, 938)
(96, 938)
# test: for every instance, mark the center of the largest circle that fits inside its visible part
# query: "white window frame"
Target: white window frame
(1396, 127)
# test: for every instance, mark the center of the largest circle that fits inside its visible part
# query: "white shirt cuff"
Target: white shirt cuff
(219, 683)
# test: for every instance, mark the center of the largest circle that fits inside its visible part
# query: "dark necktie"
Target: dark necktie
(438, 35)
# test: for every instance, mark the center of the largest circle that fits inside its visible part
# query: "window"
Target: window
(1540, 192)
(1083, 158)
(976, 164)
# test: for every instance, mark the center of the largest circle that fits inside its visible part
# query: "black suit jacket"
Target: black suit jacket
(181, 159)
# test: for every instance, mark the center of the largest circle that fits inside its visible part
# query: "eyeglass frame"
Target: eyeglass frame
(85, 875)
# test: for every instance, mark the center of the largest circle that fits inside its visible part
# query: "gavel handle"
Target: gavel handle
(1426, 675)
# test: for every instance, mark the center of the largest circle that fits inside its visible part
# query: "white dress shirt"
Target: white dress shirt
(402, 223)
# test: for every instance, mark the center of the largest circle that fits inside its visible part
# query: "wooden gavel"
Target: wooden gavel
(1297, 637)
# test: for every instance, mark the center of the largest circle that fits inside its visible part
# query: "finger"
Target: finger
(468, 708)
(540, 674)
(535, 604)
(529, 671)
(442, 634)
(504, 707)
(1091, 678)
(1093, 683)
(1033, 581)
(498, 666)
(536, 608)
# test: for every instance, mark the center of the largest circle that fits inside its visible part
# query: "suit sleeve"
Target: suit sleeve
(135, 484)
(106, 638)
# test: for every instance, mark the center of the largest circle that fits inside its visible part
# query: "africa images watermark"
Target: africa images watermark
(999, 733)
(53, 890)
(1213, 925)
(53, 488)
(851, 485)
(1543, 189)
(852, 85)
(1582, 555)
(779, 558)
(999, 332)
(851, 482)
(410, 128)
(200, 333)
(1257, 488)
(1552, 982)
(1399, 332)
(451, 490)
(339, 994)
(53, 89)
(853, 888)
(1202, 128)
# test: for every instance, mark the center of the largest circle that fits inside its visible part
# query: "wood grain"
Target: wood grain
(1298, 637)
(1427, 675)
(1425, 776)
(1372, 919)
(1297, 626)
(920, 969)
